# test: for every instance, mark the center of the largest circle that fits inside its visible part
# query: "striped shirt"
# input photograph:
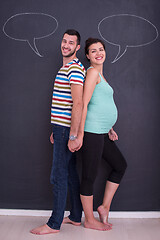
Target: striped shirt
(61, 109)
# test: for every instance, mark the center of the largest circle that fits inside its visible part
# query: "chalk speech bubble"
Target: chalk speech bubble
(29, 27)
(126, 30)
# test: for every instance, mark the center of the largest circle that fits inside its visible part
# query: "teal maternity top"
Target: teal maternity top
(102, 111)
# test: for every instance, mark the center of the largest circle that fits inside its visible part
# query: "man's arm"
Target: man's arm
(90, 84)
(77, 93)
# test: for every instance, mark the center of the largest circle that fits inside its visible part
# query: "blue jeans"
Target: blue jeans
(63, 176)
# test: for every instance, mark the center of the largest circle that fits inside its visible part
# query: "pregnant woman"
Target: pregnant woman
(97, 137)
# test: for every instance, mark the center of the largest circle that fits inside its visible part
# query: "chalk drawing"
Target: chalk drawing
(127, 36)
(29, 27)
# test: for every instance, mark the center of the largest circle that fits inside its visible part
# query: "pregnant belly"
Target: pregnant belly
(108, 117)
(102, 119)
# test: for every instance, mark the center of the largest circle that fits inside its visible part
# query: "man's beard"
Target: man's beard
(70, 54)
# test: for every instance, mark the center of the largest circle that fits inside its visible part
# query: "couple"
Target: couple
(82, 120)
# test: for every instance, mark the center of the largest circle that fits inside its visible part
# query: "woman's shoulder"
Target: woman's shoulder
(92, 71)
(92, 75)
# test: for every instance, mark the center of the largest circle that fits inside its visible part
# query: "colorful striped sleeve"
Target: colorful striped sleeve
(76, 74)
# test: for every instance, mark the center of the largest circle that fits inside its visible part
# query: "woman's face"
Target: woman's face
(96, 53)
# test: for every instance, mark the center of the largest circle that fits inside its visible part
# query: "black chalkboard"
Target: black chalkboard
(30, 39)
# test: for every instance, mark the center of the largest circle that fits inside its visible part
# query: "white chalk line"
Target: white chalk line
(35, 38)
(118, 45)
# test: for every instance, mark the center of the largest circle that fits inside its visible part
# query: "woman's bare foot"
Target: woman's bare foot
(67, 220)
(103, 215)
(45, 229)
(96, 225)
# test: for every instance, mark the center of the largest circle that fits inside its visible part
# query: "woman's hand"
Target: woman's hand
(80, 138)
(112, 135)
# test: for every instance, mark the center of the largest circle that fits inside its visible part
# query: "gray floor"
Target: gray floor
(17, 228)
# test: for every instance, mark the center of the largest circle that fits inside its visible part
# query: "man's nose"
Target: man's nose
(66, 45)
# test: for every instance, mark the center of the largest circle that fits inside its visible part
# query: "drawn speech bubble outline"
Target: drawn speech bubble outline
(32, 43)
(122, 49)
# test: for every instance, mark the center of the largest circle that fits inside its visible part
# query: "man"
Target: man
(65, 116)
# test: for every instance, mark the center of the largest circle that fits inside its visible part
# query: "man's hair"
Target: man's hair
(74, 32)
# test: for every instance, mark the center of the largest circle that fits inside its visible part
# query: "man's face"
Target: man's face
(69, 45)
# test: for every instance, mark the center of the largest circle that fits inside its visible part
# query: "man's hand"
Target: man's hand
(74, 145)
(112, 135)
(51, 138)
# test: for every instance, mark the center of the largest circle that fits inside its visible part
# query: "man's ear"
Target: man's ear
(78, 47)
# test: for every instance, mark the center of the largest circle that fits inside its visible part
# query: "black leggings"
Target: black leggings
(95, 147)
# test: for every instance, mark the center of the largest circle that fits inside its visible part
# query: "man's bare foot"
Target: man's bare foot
(103, 215)
(96, 225)
(67, 220)
(45, 229)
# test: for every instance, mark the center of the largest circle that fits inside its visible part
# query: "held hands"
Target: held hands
(76, 144)
(112, 135)
(72, 145)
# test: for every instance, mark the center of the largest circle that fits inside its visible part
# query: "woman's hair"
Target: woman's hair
(91, 41)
